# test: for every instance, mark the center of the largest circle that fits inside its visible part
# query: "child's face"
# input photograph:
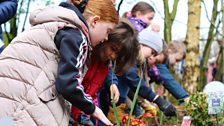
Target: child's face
(99, 31)
(174, 58)
(148, 52)
(156, 60)
(147, 18)
(110, 52)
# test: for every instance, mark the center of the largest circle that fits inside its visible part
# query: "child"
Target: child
(151, 45)
(53, 52)
(142, 15)
(122, 39)
(174, 53)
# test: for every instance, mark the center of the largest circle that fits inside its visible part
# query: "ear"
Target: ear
(94, 20)
(138, 14)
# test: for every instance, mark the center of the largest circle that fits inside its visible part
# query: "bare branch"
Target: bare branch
(119, 6)
(166, 8)
(26, 16)
(174, 11)
(206, 11)
(19, 12)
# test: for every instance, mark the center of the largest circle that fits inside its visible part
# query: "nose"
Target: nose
(151, 57)
(113, 56)
(151, 60)
(106, 38)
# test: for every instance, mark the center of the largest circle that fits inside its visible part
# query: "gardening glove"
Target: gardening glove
(165, 106)
(114, 92)
(149, 108)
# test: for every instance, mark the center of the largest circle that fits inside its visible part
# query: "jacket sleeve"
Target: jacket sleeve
(72, 48)
(8, 9)
(170, 83)
(132, 79)
(111, 78)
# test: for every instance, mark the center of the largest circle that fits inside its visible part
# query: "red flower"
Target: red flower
(146, 115)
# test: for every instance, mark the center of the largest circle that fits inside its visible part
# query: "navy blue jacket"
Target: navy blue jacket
(111, 78)
(170, 83)
(7, 11)
(69, 42)
(129, 80)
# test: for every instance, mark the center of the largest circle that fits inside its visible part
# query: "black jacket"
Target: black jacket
(73, 48)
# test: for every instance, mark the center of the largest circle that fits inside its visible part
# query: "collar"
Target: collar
(74, 8)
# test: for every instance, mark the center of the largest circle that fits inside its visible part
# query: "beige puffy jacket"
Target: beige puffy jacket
(28, 70)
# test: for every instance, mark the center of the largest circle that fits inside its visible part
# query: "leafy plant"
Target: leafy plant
(136, 93)
(197, 108)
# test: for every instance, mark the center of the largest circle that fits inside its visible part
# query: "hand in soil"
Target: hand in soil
(98, 114)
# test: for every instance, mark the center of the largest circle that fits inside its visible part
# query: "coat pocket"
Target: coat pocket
(48, 94)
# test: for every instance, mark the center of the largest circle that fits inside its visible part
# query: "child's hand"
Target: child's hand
(160, 90)
(98, 114)
(114, 93)
(155, 27)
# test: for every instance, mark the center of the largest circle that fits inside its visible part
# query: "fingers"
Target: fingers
(114, 93)
(106, 121)
(116, 97)
(98, 114)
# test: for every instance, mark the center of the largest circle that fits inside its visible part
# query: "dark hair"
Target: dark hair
(125, 37)
(82, 5)
(143, 7)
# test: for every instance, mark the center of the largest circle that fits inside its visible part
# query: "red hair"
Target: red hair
(103, 8)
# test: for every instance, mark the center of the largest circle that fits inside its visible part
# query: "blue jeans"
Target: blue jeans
(170, 83)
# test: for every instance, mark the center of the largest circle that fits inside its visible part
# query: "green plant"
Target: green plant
(197, 108)
(113, 103)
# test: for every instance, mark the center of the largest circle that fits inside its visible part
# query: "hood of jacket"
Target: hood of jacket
(65, 12)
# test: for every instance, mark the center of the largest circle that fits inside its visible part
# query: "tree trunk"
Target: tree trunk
(207, 49)
(169, 18)
(220, 61)
(222, 48)
(191, 65)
